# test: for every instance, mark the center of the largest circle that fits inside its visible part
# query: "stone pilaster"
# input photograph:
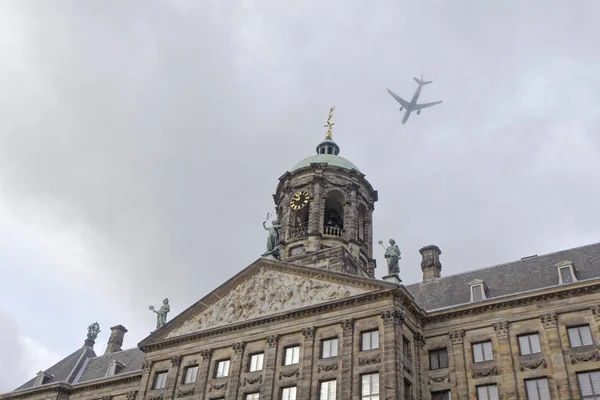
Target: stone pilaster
(146, 378)
(307, 348)
(269, 366)
(172, 377)
(460, 365)
(203, 370)
(393, 372)
(561, 379)
(352, 229)
(236, 369)
(315, 205)
(508, 389)
(419, 367)
(347, 344)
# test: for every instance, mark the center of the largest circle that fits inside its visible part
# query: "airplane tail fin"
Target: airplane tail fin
(422, 82)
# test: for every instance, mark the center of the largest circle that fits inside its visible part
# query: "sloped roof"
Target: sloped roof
(66, 369)
(505, 279)
(95, 368)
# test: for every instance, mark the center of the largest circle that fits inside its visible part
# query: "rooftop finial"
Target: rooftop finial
(329, 124)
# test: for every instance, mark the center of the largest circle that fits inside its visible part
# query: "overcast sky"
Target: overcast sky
(141, 141)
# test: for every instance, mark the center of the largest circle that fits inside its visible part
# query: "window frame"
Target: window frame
(588, 373)
(255, 395)
(370, 336)
(337, 346)
(291, 347)
(407, 348)
(494, 385)
(528, 336)
(329, 381)
(442, 393)
(482, 350)
(537, 380)
(225, 373)
(283, 389)
(185, 374)
(155, 379)
(578, 327)
(262, 361)
(370, 395)
(436, 352)
(563, 265)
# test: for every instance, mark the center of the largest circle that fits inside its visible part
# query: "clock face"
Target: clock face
(299, 200)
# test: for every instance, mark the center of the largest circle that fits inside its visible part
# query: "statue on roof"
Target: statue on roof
(273, 238)
(93, 331)
(329, 124)
(161, 314)
(392, 255)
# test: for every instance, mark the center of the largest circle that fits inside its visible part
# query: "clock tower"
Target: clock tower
(325, 206)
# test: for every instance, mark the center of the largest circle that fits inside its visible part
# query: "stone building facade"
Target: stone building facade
(316, 324)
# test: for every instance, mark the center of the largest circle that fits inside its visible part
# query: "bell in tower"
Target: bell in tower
(325, 206)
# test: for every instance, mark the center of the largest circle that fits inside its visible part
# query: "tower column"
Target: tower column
(270, 360)
(203, 373)
(460, 364)
(392, 376)
(508, 390)
(347, 344)
(557, 359)
(236, 368)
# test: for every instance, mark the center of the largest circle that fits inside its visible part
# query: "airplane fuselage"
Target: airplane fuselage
(412, 104)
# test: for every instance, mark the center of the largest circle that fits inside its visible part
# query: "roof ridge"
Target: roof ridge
(506, 263)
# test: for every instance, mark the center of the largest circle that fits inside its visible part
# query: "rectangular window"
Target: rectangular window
(482, 352)
(438, 359)
(288, 393)
(441, 395)
(529, 344)
(537, 389)
(292, 355)
(477, 292)
(370, 340)
(489, 392)
(566, 275)
(222, 369)
(252, 396)
(191, 373)
(256, 362)
(329, 348)
(406, 348)
(370, 387)
(589, 385)
(408, 391)
(580, 336)
(328, 390)
(160, 380)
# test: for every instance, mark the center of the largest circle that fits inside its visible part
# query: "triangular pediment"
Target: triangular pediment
(263, 289)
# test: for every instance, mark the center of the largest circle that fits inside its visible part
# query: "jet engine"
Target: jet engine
(418, 112)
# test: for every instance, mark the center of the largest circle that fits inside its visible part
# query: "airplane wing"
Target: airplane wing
(399, 99)
(425, 105)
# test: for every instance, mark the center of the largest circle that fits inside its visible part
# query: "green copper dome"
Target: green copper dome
(327, 152)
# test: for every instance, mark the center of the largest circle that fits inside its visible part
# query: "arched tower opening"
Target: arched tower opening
(299, 222)
(334, 214)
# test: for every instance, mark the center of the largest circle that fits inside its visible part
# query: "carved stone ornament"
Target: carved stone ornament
(309, 333)
(175, 361)
(585, 357)
(347, 325)
(186, 393)
(374, 359)
(483, 372)
(62, 395)
(289, 374)
(238, 347)
(267, 292)
(392, 317)
(531, 365)
(457, 336)
(217, 387)
(501, 328)
(548, 319)
(327, 367)
(146, 365)
(596, 312)
(131, 395)
(108, 397)
(206, 353)
(157, 397)
(439, 379)
(252, 381)
(272, 340)
(419, 340)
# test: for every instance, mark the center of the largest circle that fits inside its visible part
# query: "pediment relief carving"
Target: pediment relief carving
(267, 292)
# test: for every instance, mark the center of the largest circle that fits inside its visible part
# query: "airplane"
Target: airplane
(413, 106)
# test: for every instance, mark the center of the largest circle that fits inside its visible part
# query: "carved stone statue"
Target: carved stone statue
(93, 331)
(392, 255)
(161, 314)
(273, 238)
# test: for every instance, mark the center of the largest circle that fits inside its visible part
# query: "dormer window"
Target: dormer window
(41, 378)
(113, 368)
(566, 273)
(477, 288)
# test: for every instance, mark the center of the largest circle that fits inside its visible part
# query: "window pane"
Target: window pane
(375, 339)
(434, 360)
(524, 345)
(292, 355)
(222, 368)
(190, 374)
(482, 393)
(160, 380)
(443, 358)
(477, 295)
(586, 335)
(440, 396)
(543, 390)
(585, 384)
(487, 351)
(574, 337)
(252, 396)
(532, 391)
(328, 390)
(493, 392)
(565, 273)
(477, 352)
(534, 340)
(256, 362)
(288, 393)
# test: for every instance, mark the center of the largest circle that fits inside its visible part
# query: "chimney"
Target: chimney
(430, 265)
(115, 341)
